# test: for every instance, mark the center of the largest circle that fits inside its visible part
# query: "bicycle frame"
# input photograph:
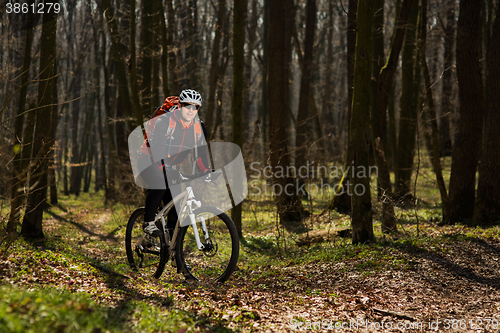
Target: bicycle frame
(187, 200)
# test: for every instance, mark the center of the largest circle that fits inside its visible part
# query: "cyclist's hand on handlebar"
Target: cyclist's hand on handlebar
(212, 174)
(172, 175)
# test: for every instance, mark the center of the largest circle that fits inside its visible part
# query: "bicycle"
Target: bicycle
(210, 258)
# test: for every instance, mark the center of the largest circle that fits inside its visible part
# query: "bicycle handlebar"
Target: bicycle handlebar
(210, 176)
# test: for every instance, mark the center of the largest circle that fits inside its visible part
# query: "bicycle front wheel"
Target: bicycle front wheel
(145, 254)
(219, 257)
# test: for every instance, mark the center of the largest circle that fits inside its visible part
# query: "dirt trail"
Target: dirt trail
(451, 288)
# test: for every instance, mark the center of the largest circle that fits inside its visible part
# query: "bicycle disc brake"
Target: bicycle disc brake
(210, 248)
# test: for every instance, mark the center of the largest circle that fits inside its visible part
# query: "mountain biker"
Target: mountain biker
(175, 135)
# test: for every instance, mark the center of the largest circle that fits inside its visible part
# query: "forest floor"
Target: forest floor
(423, 278)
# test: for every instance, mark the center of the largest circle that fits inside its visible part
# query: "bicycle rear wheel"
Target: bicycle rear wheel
(145, 254)
(217, 261)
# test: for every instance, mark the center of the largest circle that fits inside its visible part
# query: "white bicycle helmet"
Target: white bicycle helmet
(190, 96)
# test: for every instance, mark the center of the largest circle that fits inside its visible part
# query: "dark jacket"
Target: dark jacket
(172, 140)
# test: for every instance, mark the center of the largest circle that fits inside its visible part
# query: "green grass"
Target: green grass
(76, 280)
(51, 310)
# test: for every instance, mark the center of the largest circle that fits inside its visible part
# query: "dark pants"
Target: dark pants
(153, 178)
(153, 201)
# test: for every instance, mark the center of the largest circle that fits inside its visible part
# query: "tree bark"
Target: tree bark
(341, 202)
(146, 55)
(32, 223)
(18, 173)
(383, 177)
(359, 137)
(487, 205)
(132, 61)
(302, 126)
(434, 151)
(191, 45)
(74, 187)
(214, 68)
(237, 100)
(119, 61)
(408, 111)
(467, 144)
(172, 60)
(329, 93)
(445, 145)
(156, 58)
(164, 51)
(53, 130)
(387, 72)
(290, 207)
(247, 101)
(265, 72)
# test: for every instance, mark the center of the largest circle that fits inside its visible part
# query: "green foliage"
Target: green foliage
(50, 310)
(78, 278)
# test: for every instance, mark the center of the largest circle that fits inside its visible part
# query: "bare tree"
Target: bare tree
(359, 137)
(302, 126)
(289, 206)
(433, 141)
(467, 144)
(446, 103)
(486, 209)
(408, 109)
(237, 100)
(32, 222)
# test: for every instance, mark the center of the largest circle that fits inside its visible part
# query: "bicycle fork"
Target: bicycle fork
(190, 201)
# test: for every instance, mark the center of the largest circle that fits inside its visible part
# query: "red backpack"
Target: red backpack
(169, 105)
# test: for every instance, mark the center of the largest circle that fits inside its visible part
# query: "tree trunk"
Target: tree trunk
(32, 223)
(75, 115)
(264, 86)
(359, 137)
(302, 126)
(65, 159)
(164, 49)
(214, 68)
(103, 179)
(132, 61)
(146, 55)
(240, 7)
(387, 72)
(108, 92)
(19, 174)
(119, 61)
(383, 178)
(487, 205)
(53, 130)
(329, 93)
(341, 202)
(391, 129)
(156, 51)
(191, 42)
(172, 60)
(446, 103)
(318, 127)
(289, 206)
(408, 111)
(220, 92)
(434, 151)
(247, 92)
(467, 143)
(351, 55)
